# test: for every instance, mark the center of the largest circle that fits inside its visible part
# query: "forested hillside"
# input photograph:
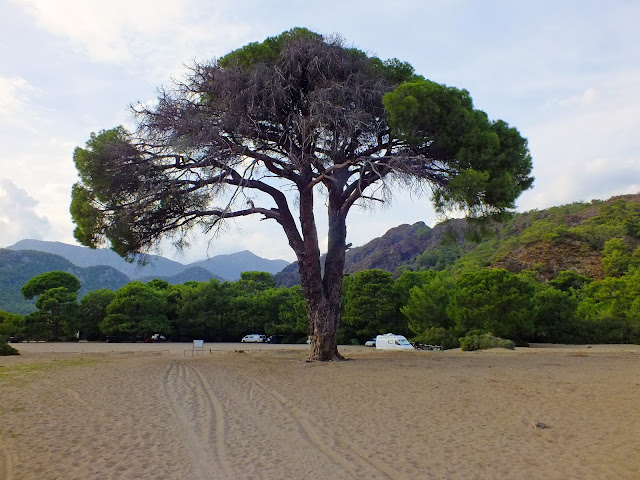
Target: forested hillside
(18, 267)
(192, 274)
(568, 237)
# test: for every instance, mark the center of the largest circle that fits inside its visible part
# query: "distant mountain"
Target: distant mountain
(18, 267)
(89, 257)
(235, 263)
(226, 267)
(191, 274)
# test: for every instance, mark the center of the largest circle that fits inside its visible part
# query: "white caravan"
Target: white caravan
(389, 341)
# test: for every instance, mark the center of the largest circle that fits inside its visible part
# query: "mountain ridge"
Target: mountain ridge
(225, 267)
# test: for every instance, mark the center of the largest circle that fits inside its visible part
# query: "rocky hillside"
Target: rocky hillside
(397, 249)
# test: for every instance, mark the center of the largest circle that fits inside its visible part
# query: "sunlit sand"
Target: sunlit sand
(157, 411)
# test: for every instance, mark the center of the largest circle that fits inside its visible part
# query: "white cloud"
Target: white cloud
(586, 98)
(15, 100)
(11, 93)
(157, 37)
(18, 216)
(105, 31)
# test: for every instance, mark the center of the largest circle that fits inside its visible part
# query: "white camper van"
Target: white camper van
(389, 341)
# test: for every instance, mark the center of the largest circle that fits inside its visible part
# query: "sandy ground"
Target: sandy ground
(135, 411)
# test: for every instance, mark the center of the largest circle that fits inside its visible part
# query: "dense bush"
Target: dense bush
(6, 349)
(484, 341)
(494, 300)
(11, 325)
(446, 338)
(370, 306)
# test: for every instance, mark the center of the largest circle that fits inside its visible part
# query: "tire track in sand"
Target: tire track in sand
(347, 455)
(200, 416)
(6, 462)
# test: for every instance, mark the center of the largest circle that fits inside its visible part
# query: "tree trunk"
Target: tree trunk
(324, 320)
(323, 292)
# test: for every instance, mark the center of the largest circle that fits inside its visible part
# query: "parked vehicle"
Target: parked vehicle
(275, 339)
(390, 341)
(254, 338)
(158, 337)
(370, 343)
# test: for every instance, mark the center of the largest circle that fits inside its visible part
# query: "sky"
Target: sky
(565, 74)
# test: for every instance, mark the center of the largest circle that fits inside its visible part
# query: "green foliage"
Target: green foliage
(609, 310)
(264, 52)
(137, 309)
(616, 257)
(253, 282)
(157, 284)
(370, 305)
(41, 283)
(409, 279)
(622, 215)
(491, 161)
(571, 232)
(446, 338)
(283, 312)
(105, 178)
(427, 306)
(619, 218)
(484, 341)
(11, 325)
(111, 170)
(205, 311)
(249, 304)
(56, 303)
(554, 314)
(611, 297)
(550, 229)
(227, 311)
(568, 280)
(6, 349)
(88, 218)
(439, 258)
(92, 311)
(493, 300)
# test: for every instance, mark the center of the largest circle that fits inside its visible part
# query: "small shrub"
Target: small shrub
(6, 349)
(484, 341)
(446, 338)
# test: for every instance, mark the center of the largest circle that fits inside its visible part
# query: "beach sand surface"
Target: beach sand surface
(134, 411)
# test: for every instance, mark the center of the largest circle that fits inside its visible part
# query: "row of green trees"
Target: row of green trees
(427, 306)
(436, 308)
(208, 310)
